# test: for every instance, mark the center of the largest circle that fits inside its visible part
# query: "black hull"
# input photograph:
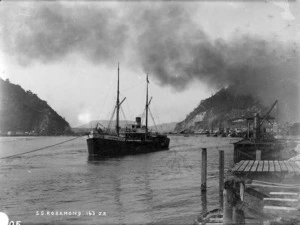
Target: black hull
(246, 150)
(100, 147)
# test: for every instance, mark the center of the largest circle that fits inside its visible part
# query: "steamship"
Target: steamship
(270, 148)
(133, 139)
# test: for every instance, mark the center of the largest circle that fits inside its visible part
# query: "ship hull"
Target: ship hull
(272, 150)
(107, 147)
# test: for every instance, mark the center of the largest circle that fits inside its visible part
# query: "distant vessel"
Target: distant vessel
(271, 148)
(133, 139)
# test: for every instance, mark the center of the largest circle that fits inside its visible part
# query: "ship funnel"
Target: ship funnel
(256, 126)
(138, 122)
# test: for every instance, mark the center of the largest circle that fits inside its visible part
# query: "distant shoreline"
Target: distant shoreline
(60, 135)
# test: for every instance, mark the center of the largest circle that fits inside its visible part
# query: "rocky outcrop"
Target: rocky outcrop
(223, 110)
(23, 112)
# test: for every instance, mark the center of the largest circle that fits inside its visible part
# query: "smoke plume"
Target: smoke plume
(165, 41)
(52, 31)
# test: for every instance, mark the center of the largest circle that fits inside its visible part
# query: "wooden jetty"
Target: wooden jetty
(267, 166)
(270, 150)
(259, 139)
(256, 192)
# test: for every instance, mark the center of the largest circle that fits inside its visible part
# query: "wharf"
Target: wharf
(257, 192)
(270, 150)
(266, 166)
(263, 187)
(269, 189)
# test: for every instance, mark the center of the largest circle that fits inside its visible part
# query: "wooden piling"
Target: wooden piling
(221, 177)
(203, 169)
(242, 191)
(221, 170)
(258, 155)
(204, 202)
(227, 207)
(238, 216)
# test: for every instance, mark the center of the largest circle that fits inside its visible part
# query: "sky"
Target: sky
(68, 54)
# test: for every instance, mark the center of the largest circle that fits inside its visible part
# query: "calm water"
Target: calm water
(155, 188)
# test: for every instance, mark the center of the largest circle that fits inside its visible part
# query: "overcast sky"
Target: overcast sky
(67, 53)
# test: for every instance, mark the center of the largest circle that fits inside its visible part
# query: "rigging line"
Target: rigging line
(35, 150)
(108, 115)
(124, 114)
(108, 127)
(106, 96)
(133, 86)
(153, 120)
(130, 112)
(161, 127)
(143, 116)
(98, 123)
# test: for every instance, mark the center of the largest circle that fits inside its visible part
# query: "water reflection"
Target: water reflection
(204, 201)
(96, 159)
(221, 199)
(127, 182)
(156, 188)
(117, 196)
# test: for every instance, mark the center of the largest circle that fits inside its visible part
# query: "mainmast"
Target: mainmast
(147, 105)
(118, 102)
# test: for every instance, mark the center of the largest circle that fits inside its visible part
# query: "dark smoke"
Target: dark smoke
(167, 43)
(53, 31)
(177, 52)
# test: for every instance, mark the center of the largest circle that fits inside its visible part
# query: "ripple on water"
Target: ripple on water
(156, 188)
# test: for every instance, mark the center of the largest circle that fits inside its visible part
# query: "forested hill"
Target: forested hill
(222, 110)
(24, 112)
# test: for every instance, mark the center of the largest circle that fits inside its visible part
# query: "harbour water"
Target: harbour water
(59, 185)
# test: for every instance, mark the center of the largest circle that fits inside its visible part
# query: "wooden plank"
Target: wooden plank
(252, 221)
(266, 166)
(213, 223)
(274, 188)
(254, 167)
(271, 166)
(283, 166)
(215, 220)
(280, 211)
(280, 194)
(281, 202)
(296, 168)
(243, 166)
(289, 167)
(276, 184)
(260, 166)
(277, 166)
(280, 208)
(238, 165)
(248, 167)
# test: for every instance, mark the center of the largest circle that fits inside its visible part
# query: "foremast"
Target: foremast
(118, 103)
(147, 106)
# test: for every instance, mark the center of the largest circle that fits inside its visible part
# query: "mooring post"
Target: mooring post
(204, 202)
(221, 170)
(228, 206)
(238, 216)
(221, 175)
(203, 169)
(242, 191)
(258, 155)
